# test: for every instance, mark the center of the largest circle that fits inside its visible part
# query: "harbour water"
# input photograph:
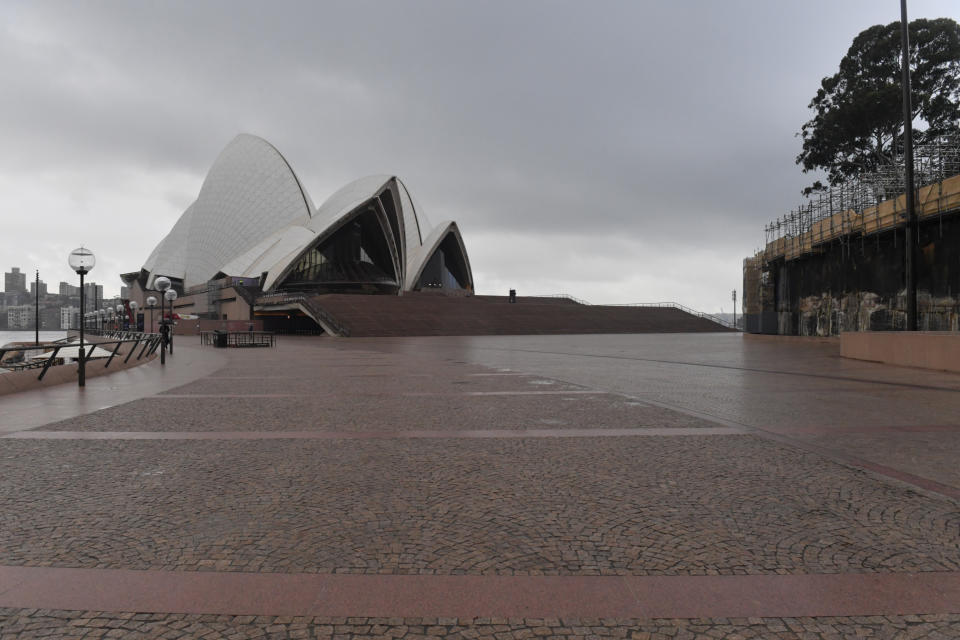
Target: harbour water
(7, 337)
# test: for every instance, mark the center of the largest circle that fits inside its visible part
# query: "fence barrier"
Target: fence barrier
(149, 341)
(238, 338)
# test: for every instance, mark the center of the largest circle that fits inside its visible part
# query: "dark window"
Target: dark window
(446, 268)
(356, 256)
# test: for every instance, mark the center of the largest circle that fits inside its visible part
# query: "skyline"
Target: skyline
(638, 151)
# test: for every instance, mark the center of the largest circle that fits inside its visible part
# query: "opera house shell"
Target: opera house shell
(253, 219)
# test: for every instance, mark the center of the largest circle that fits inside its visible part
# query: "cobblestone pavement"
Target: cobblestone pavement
(724, 505)
(597, 504)
(352, 412)
(30, 624)
(772, 383)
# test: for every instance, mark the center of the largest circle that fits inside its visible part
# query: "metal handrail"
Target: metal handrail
(240, 338)
(677, 305)
(306, 301)
(665, 305)
(564, 296)
(150, 343)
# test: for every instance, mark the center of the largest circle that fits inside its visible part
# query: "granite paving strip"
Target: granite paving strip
(931, 453)
(341, 412)
(831, 447)
(833, 430)
(694, 505)
(337, 383)
(480, 596)
(28, 624)
(353, 435)
(835, 453)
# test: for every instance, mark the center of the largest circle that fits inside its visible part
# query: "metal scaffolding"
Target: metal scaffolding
(847, 208)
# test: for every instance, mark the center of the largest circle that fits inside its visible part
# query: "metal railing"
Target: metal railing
(117, 334)
(144, 344)
(676, 305)
(666, 305)
(562, 296)
(238, 338)
(308, 305)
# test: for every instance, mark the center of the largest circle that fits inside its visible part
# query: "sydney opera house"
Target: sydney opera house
(253, 252)
(254, 232)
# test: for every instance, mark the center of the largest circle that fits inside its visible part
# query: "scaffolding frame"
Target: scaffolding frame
(869, 203)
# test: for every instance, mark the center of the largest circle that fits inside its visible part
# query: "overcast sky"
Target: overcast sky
(615, 151)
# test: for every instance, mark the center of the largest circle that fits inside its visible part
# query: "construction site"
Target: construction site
(837, 263)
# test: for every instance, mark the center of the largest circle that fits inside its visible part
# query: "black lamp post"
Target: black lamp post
(162, 284)
(135, 323)
(82, 261)
(911, 228)
(734, 295)
(171, 295)
(36, 309)
(151, 302)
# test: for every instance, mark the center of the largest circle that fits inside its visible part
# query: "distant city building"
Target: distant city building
(49, 318)
(41, 284)
(69, 290)
(15, 281)
(20, 317)
(69, 317)
(93, 295)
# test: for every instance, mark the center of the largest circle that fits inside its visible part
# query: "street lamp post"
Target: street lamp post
(36, 309)
(82, 261)
(171, 295)
(133, 311)
(162, 284)
(734, 308)
(151, 302)
(120, 317)
(911, 230)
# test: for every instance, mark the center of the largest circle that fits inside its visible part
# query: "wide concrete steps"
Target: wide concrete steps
(436, 315)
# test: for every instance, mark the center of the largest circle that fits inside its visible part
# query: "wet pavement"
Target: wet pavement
(556, 486)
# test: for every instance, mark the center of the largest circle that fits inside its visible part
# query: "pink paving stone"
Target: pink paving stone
(480, 596)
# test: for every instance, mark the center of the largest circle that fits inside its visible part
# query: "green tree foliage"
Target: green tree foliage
(858, 111)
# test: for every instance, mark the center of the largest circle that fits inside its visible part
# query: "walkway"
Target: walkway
(505, 487)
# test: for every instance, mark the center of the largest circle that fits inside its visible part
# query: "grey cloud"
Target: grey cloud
(669, 122)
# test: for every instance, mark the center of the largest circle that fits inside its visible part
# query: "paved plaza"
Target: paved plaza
(634, 486)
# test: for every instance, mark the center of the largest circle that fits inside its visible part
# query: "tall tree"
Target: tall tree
(858, 111)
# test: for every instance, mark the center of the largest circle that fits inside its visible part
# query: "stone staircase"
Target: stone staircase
(428, 314)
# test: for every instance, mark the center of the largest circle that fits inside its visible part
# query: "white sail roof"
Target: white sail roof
(253, 217)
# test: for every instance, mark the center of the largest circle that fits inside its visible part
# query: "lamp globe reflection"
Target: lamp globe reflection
(151, 302)
(82, 261)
